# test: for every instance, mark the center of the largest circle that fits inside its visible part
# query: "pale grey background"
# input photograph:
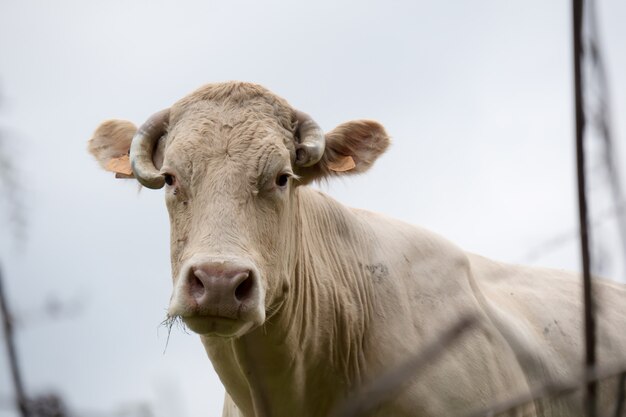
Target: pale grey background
(476, 94)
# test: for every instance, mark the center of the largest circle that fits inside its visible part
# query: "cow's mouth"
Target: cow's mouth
(217, 326)
(219, 296)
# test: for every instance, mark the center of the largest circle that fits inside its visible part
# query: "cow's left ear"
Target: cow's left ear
(110, 145)
(351, 148)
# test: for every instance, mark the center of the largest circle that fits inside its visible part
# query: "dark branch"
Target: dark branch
(589, 320)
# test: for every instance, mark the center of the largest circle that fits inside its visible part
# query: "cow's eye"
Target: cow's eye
(282, 180)
(169, 179)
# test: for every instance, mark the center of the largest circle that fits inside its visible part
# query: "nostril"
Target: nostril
(244, 289)
(196, 287)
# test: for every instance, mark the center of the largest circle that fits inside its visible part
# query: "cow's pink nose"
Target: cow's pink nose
(221, 288)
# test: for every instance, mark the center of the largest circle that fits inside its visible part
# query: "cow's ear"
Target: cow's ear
(351, 148)
(110, 144)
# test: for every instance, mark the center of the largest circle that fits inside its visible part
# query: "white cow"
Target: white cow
(300, 300)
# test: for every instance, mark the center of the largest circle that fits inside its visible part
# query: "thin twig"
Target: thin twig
(557, 241)
(388, 385)
(602, 119)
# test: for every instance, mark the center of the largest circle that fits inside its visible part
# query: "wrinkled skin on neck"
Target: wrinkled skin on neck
(311, 351)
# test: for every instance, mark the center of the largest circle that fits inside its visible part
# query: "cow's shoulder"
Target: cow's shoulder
(411, 247)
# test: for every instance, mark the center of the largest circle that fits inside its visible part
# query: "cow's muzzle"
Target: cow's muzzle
(219, 297)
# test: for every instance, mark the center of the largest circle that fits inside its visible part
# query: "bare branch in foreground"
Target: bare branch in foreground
(551, 389)
(388, 385)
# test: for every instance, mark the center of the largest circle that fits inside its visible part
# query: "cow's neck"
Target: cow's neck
(316, 342)
(330, 300)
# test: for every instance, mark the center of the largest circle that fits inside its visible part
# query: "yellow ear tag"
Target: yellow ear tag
(343, 164)
(121, 167)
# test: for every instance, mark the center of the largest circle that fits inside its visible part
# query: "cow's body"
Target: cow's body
(327, 298)
(398, 288)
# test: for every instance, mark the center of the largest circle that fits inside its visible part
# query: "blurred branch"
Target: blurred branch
(49, 405)
(54, 308)
(601, 117)
(10, 190)
(550, 390)
(12, 353)
(561, 239)
(388, 385)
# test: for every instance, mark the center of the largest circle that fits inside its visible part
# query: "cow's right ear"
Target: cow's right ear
(110, 144)
(351, 148)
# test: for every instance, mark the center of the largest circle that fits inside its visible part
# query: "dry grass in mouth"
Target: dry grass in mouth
(169, 322)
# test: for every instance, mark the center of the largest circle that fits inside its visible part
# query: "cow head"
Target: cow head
(231, 157)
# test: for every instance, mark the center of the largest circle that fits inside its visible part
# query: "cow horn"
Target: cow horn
(310, 141)
(142, 148)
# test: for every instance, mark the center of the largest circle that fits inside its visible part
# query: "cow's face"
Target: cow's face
(230, 162)
(229, 183)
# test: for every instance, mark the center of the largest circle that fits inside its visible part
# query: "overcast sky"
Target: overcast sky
(476, 95)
